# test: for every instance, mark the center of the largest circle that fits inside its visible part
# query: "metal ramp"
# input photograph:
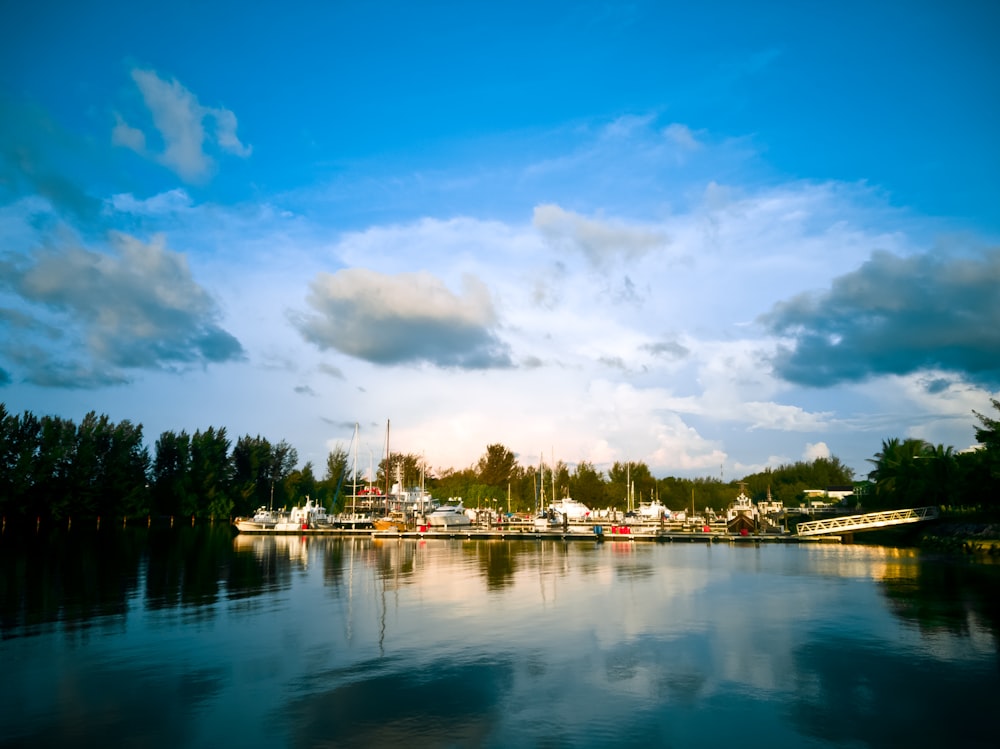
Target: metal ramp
(867, 522)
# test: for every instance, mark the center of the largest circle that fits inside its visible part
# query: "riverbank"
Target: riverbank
(963, 536)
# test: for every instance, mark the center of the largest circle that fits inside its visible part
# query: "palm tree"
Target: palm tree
(897, 475)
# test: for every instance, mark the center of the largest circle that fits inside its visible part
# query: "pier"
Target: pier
(866, 522)
(626, 534)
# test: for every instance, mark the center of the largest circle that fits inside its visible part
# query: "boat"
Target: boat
(745, 517)
(263, 520)
(550, 520)
(310, 516)
(354, 520)
(394, 521)
(449, 516)
(571, 509)
(742, 517)
(654, 511)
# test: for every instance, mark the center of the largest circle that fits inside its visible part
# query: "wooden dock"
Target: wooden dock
(633, 534)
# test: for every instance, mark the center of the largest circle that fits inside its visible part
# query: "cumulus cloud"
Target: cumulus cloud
(88, 316)
(599, 242)
(816, 450)
(894, 316)
(403, 318)
(180, 120)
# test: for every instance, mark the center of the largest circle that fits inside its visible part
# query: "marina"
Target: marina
(569, 520)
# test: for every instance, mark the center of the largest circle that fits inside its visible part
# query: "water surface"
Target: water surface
(190, 637)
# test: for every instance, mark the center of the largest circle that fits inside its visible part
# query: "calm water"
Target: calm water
(187, 637)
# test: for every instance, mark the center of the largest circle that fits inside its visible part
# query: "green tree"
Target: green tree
(171, 491)
(19, 442)
(587, 485)
(255, 477)
(625, 476)
(302, 483)
(53, 464)
(210, 473)
(988, 435)
(897, 477)
(496, 467)
(338, 481)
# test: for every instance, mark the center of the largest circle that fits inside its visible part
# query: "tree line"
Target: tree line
(53, 469)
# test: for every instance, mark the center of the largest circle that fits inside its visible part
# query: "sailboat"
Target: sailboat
(354, 520)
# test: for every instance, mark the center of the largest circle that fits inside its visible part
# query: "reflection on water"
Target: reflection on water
(193, 637)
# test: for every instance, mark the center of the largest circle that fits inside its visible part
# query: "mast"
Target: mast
(553, 474)
(628, 486)
(388, 462)
(354, 470)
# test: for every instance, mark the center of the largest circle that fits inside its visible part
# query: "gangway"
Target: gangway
(867, 522)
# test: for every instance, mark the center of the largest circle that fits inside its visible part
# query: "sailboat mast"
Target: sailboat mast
(354, 470)
(388, 463)
(628, 486)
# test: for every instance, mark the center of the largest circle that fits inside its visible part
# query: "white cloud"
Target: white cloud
(179, 119)
(408, 317)
(164, 203)
(128, 136)
(600, 242)
(135, 306)
(816, 450)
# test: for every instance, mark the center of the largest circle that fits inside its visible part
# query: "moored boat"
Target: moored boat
(310, 516)
(449, 516)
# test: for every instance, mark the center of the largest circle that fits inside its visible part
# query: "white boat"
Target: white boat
(263, 520)
(550, 520)
(310, 516)
(572, 510)
(654, 511)
(449, 516)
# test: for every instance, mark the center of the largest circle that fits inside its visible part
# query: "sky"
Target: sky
(714, 237)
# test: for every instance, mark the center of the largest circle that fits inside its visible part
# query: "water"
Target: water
(188, 637)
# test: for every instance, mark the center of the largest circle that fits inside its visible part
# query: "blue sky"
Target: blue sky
(712, 238)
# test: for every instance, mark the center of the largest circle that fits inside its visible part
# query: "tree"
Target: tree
(496, 466)
(302, 483)
(210, 473)
(254, 469)
(19, 440)
(337, 478)
(172, 494)
(988, 435)
(623, 477)
(52, 465)
(898, 480)
(587, 485)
